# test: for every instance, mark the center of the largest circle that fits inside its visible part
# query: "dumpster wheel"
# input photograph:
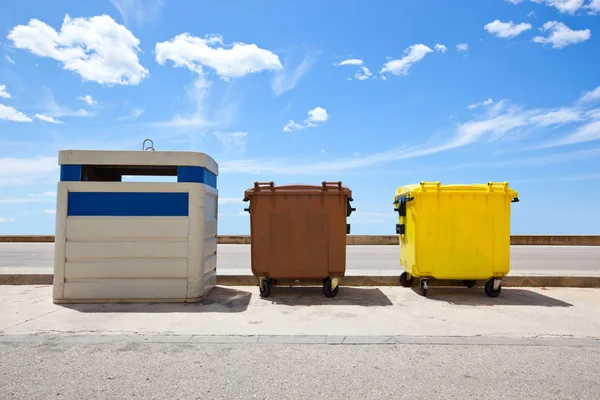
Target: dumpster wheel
(493, 287)
(424, 286)
(265, 286)
(327, 291)
(406, 280)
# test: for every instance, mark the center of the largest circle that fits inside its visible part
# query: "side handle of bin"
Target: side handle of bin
(349, 208)
(246, 200)
(401, 205)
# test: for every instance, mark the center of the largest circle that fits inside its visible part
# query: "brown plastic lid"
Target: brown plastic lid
(271, 188)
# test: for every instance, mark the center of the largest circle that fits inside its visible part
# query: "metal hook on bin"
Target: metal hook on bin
(151, 147)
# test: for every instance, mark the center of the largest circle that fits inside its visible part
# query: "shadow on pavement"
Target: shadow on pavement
(313, 296)
(477, 297)
(220, 300)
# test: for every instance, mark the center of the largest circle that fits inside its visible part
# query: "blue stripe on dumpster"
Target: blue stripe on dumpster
(125, 204)
(196, 175)
(70, 173)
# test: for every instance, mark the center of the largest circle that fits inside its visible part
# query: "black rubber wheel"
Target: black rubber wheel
(327, 288)
(469, 283)
(423, 289)
(489, 289)
(265, 288)
(404, 281)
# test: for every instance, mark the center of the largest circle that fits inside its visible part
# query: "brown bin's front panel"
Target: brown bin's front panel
(298, 232)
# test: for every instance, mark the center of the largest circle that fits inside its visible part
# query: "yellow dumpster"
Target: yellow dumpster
(454, 232)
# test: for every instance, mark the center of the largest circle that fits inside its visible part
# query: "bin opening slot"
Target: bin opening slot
(114, 173)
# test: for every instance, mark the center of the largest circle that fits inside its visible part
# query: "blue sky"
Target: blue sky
(376, 95)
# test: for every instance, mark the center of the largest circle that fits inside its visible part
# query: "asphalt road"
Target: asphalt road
(361, 260)
(275, 371)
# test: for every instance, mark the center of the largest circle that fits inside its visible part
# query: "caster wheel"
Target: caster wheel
(469, 283)
(424, 288)
(327, 288)
(405, 280)
(265, 288)
(489, 289)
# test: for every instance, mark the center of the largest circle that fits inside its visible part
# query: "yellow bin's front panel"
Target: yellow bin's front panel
(456, 232)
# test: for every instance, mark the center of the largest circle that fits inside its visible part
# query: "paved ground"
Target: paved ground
(366, 343)
(355, 312)
(234, 259)
(237, 371)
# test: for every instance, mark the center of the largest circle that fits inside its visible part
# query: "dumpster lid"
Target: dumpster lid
(424, 187)
(138, 158)
(323, 188)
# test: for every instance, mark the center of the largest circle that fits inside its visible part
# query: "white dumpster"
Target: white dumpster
(135, 241)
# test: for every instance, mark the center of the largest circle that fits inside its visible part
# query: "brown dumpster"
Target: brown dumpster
(298, 232)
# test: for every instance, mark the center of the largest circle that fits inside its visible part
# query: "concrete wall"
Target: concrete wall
(529, 240)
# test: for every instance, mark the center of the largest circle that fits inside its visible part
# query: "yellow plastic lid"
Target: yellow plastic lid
(428, 187)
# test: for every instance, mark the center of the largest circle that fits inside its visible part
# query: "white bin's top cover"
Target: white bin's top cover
(138, 158)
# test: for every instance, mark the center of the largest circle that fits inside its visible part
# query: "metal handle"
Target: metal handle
(151, 147)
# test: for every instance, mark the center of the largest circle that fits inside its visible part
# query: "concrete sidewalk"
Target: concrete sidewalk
(238, 313)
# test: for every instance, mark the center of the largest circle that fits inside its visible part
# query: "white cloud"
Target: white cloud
(53, 109)
(363, 74)
(594, 6)
(195, 53)
(317, 114)
(561, 35)
(27, 171)
(96, 48)
(592, 95)
(232, 142)
(140, 10)
(46, 118)
(324, 152)
(197, 95)
(558, 117)
(88, 99)
(4, 220)
(292, 126)
(10, 114)
(3, 93)
(315, 117)
(51, 212)
(440, 47)
(564, 6)
(287, 79)
(506, 30)
(497, 122)
(473, 131)
(135, 114)
(482, 104)
(531, 14)
(413, 54)
(10, 60)
(586, 133)
(462, 47)
(352, 61)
